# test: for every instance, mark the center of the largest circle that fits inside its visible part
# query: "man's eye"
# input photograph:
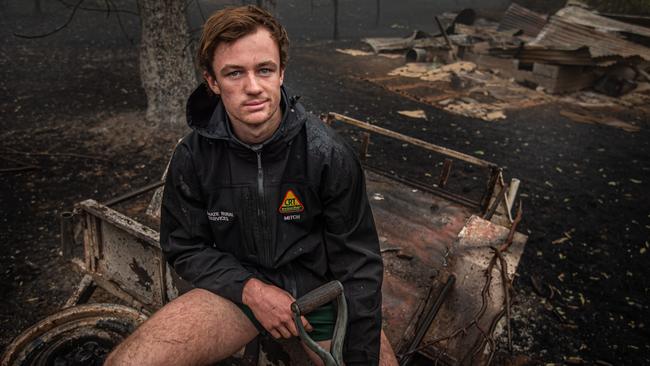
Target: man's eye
(265, 71)
(234, 74)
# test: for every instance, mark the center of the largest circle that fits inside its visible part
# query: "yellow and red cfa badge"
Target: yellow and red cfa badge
(290, 204)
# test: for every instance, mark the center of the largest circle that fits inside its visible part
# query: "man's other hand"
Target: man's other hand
(271, 306)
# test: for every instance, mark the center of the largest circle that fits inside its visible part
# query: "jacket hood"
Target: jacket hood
(207, 116)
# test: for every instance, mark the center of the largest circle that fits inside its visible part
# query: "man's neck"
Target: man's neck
(256, 134)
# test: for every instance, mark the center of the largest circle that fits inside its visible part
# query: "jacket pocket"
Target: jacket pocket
(227, 215)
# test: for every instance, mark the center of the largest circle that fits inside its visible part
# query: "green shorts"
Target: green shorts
(322, 320)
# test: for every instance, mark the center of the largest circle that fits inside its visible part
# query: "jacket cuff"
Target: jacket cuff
(234, 290)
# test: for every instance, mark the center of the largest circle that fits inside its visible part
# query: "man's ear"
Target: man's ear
(212, 82)
(281, 75)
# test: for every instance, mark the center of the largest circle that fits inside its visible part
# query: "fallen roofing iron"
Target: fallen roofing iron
(518, 17)
(582, 16)
(420, 39)
(417, 39)
(571, 29)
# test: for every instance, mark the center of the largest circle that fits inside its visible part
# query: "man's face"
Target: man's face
(248, 78)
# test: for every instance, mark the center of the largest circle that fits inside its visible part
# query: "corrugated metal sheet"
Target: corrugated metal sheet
(641, 20)
(518, 17)
(559, 33)
(418, 39)
(576, 14)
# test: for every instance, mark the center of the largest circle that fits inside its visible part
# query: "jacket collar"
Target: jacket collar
(207, 116)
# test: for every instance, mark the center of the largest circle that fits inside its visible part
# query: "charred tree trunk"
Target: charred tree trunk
(335, 36)
(378, 13)
(166, 66)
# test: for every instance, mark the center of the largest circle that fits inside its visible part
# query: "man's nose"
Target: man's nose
(252, 85)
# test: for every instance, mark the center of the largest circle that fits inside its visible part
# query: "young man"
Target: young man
(262, 204)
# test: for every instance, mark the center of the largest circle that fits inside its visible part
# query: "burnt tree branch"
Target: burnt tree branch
(63, 26)
(114, 9)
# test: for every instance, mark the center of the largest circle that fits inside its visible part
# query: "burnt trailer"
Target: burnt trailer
(449, 264)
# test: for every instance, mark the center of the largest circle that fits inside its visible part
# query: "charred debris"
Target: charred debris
(593, 65)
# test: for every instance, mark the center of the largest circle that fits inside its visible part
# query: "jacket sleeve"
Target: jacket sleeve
(354, 256)
(186, 238)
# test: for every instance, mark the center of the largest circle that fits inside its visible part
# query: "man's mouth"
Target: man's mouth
(255, 103)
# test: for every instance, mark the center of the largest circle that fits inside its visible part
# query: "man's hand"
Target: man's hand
(271, 306)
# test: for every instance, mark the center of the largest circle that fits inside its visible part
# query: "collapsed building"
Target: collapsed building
(481, 68)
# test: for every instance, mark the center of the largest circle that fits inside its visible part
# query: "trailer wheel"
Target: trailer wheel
(79, 335)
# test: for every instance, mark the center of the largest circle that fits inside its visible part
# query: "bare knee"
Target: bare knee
(141, 348)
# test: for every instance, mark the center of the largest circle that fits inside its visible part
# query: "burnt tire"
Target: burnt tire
(79, 335)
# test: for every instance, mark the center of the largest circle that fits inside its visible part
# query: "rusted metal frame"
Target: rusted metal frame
(423, 187)
(90, 243)
(495, 204)
(417, 142)
(82, 293)
(505, 280)
(160, 258)
(116, 290)
(80, 265)
(424, 322)
(495, 169)
(513, 187)
(133, 193)
(97, 214)
(111, 287)
(86, 243)
(365, 142)
(444, 174)
(124, 222)
(67, 234)
(409, 332)
(439, 356)
(495, 173)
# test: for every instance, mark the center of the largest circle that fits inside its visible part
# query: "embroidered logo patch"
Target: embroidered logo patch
(222, 216)
(290, 204)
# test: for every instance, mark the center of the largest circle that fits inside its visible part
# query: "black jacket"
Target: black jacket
(292, 212)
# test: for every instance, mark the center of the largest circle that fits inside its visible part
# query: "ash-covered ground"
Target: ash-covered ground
(71, 108)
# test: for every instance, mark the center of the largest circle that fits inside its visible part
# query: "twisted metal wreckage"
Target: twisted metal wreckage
(449, 266)
(577, 58)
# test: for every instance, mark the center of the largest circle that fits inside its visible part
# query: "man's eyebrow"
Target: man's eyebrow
(266, 63)
(230, 67)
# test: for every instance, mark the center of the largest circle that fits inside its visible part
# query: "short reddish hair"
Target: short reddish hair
(230, 24)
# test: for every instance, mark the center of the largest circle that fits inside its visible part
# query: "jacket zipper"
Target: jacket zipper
(293, 285)
(260, 209)
(260, 174)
